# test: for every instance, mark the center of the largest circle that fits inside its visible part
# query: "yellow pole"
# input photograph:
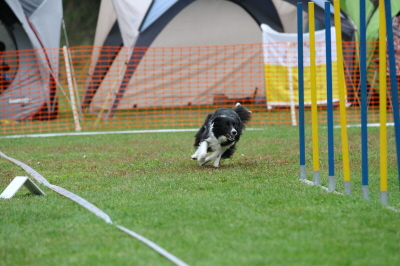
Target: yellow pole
(314, 108)
(382, 103)
(342, 101)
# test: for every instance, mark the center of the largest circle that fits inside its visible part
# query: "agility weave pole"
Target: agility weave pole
(314, 108)
(364, 107)
(98, 212)
(300, 68)
(302, 174)
(329, 97)
(385, 32)
(384, 197)
(393, 81)
(342, 102)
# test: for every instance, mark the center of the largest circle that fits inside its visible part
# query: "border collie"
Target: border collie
(220, 133)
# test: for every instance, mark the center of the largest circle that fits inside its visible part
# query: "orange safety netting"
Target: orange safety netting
(117, 88)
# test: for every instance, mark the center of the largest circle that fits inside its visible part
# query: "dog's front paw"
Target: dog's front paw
(202, 159)
(203, 162)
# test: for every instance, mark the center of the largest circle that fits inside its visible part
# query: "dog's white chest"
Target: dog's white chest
(213, 142)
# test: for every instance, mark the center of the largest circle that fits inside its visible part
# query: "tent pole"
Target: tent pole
(71, 91)
(72, 69)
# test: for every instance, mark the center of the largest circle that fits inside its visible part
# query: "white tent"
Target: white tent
(29, 28)
(119, 77)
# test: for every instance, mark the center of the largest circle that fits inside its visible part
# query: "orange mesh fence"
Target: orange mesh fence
(160, 87)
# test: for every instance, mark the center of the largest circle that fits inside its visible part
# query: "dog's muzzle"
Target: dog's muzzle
(232, 136)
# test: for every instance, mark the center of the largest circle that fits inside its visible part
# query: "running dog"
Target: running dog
(220, 133)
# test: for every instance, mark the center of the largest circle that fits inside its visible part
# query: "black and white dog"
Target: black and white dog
(220, 132)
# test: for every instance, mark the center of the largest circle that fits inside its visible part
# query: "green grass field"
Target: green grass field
(252, 210)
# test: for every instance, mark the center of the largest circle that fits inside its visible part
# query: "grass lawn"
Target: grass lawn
(252, 210)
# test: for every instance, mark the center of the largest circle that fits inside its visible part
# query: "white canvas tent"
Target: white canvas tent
(26, 25)
(118, 81)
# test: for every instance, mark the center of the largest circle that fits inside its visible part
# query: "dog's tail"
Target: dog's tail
(243, 112)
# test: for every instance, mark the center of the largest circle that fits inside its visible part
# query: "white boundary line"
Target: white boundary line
(369, 125)
(89, 206)
(105, 132)
(308, 182)
(392, 208)
(138, 131)
(94, 133)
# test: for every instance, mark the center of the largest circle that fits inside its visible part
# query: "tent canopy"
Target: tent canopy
(29, 29)
(181, 23)
(352, 8)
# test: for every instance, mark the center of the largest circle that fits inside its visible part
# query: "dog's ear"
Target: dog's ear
(217, 119)
(239, 124)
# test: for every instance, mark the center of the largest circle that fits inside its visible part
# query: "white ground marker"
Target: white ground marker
(89, 206)
(17, 183)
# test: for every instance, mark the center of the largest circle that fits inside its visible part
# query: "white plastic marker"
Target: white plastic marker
(39, 178)
(17, 183)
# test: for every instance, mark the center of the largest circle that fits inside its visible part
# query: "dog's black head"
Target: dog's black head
(228, 126)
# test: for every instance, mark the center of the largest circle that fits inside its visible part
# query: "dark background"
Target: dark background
(80, 17)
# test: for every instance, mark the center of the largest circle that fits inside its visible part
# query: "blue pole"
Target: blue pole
(364, 108)
(302, 145)
(328, 48)
(393, 80)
